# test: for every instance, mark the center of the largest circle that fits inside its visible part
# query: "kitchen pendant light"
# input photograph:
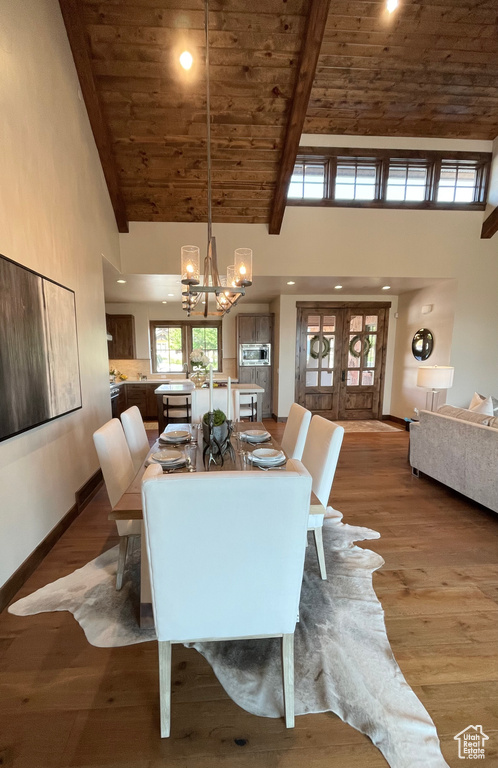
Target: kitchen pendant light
(228, 289)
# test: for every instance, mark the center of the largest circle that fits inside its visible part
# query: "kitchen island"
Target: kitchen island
(186, 387)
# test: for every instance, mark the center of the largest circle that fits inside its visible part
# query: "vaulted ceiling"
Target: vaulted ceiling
(430, 69)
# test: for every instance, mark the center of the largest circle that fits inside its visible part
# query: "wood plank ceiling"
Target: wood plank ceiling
(429, 70)
(156, 113)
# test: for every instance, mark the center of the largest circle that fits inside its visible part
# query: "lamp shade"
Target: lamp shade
(435, 376)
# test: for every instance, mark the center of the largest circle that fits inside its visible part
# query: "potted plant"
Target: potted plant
(200, 364)
(215, 434)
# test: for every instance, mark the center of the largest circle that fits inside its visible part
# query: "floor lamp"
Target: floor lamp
(434, 378)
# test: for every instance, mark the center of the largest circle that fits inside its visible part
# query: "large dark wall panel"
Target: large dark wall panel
(39, 365)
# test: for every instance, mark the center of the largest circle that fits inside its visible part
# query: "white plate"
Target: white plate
(174, 436)
(268, 454)
(167, 457)
(256, 435)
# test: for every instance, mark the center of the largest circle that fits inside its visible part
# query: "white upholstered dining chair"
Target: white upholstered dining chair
(135, 435)
(223, 571)
(245, 406)
(296, 429)
(118, 470)
(320, 457)
(200, 402)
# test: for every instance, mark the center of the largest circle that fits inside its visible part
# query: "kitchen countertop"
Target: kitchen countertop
(163, 381)
(180, 387)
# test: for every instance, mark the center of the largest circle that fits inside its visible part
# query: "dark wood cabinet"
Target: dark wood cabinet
(136, 394)
(121, 405)
(122, 330)
(262, 377)
(142, 395)
(254, 329)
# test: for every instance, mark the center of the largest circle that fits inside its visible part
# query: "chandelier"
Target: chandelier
(226, 289)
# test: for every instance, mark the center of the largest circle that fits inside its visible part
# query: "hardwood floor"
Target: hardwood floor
(64, 703)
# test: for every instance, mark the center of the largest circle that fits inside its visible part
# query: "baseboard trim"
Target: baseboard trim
(279, 419)
(88, 490)
(396, 419)
(82, 497)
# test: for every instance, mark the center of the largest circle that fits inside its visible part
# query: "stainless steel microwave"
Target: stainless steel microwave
(254, 354)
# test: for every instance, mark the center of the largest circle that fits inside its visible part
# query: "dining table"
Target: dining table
(129, 506)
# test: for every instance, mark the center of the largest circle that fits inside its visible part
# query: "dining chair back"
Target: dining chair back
(245, 406)
(200, 402)
(296, 429)
(320, 457)
(211, 564)
(118, 471)
(135, 435)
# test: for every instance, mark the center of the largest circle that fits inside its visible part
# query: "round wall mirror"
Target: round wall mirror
(423, 344)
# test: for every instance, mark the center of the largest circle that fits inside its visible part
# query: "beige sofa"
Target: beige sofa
(459, 452)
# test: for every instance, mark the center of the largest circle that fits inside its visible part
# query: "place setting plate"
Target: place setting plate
(168, 459)
(256, 435)
(177, 436)
(267, 457)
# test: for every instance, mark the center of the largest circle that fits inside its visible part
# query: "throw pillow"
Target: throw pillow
(477, 400)
(484, 406)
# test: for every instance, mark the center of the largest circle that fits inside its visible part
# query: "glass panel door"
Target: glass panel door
(363, 361)
(318, 360)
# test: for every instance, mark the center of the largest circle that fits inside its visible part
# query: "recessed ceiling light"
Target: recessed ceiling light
(392, 5)
(203, 302)
(186, 59)
(337, 287)
(164, 302)
(385, 287)
(171, 294)
(121, 281)
(291, 282)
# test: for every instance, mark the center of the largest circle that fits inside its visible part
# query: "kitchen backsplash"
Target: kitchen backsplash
(132, 369)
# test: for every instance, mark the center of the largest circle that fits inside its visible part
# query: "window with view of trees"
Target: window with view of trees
(385, 178)
(172, 343)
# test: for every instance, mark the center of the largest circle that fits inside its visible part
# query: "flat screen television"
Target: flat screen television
(39, 361)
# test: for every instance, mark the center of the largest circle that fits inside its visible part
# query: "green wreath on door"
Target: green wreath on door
(367, 345)
(316, 351)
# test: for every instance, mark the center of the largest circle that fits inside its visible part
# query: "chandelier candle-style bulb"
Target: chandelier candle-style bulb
(190, 265)
(231, 276)
(243, 267)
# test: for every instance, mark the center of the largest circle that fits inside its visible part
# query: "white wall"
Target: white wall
(144, 313)
(405, 394)
(362, 242)
(55, 217)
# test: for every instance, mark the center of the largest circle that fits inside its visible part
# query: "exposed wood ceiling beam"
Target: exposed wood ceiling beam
(490, 225)
(77, 40)
(315, 30)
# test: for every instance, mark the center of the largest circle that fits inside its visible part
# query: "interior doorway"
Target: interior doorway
(341, 358)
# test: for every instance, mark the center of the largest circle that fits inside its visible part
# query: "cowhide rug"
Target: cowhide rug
(343, 660)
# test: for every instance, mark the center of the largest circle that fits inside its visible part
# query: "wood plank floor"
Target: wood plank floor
(64, 703)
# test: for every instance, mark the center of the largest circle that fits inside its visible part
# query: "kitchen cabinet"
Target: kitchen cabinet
(122, 404)
(142, 395)
(260, 375)
(122, 330)
(254, 329)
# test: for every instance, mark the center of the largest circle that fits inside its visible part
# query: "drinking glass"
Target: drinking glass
(191, 456)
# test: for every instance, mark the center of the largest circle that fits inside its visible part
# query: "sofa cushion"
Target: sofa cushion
(477, 400)
(493, 423)
(465, 414)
